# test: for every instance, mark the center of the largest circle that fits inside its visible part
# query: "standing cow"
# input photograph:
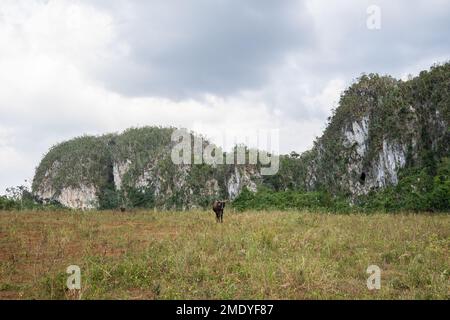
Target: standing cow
(218, 207)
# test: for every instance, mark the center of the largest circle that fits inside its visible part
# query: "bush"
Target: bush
(266, 199)
(417, 190)
(108, 199)
(439, 197)
(8, 204)
(140, 197)
(20, 198)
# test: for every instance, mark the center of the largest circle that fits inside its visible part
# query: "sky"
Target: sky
(221, 68)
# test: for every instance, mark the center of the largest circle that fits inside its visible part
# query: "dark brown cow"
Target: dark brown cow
(218, 207)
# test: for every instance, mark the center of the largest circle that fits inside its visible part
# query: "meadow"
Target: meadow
(252, 255)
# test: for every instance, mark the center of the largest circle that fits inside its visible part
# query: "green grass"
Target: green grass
(252, 255)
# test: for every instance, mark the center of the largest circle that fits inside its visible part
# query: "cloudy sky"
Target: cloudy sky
(236, 66)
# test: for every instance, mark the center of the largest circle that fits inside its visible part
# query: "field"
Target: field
(252, 255)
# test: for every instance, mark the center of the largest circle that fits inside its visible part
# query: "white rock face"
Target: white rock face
(238, 181)
(84, 197)
(390, 160)
(119, 170)
(233, 185)
(144, 179)
(382, 171)
(358, 135)
(46, 190)
(354, 185)
(152, 178)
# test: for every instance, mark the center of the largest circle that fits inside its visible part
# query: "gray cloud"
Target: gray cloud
(187, 48)
(413, 36)
(411, 32)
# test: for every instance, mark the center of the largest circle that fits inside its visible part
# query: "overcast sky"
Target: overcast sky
(69, 68)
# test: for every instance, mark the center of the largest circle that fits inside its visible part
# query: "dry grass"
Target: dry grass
(252, 255)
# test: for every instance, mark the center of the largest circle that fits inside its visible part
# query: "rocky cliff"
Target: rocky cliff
(380, 126)
(134, 169)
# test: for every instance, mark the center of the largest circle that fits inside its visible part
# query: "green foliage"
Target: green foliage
(440, 193)
(412, 114)
(8, 204)
(144, 157)
(140, 197)
(266, 199)
(416, 190)
(83, 160)
(109, 198)
(291, 174)
(138, 146)
(20, 198)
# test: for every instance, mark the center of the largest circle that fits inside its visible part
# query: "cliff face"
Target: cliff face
(73, 172)
(381, 126)
(134, 169)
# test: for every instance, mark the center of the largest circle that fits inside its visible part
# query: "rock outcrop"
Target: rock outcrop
(134, 169)
(381, 126)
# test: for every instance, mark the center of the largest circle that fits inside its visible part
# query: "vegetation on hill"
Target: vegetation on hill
(82, 160)
(386, 147)
(133, 169)
(418, 190)
(413, 114)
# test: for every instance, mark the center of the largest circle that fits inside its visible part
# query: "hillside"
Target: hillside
(380, 126)
(384, 130)
(133, 169)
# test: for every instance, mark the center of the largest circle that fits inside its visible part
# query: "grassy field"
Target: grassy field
(252, 255)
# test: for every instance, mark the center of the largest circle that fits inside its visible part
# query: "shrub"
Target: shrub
(8, 204)
(417, 190)
(266, 199)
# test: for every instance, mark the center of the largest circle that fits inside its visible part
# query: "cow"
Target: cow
(218, 207)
